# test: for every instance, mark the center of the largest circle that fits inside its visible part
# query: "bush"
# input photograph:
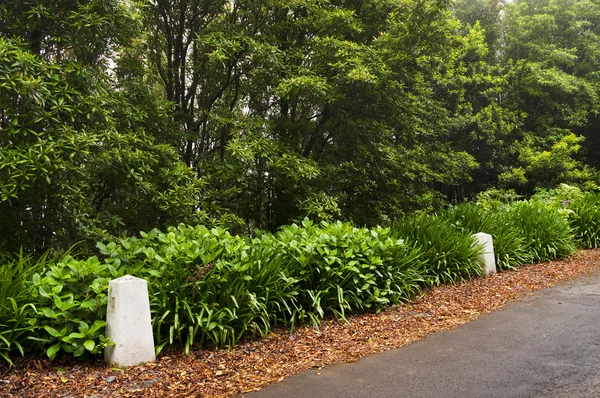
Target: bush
(71, 302)
(450, 254)
(546, 230)
(558, 198)
(17, 312)
(585, 220)
(510, 247)
(522, 232)
(206, 285)
(339, 268)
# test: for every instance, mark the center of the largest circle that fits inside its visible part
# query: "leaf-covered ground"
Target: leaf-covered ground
(254, 364)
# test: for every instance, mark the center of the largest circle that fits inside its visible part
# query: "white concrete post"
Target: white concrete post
(487, 257)
(128, 322)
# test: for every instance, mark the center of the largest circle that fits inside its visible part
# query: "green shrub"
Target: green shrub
(509, 244)
(339, 268)
(208, 285)
(546, 230)
(558, 198)
(17, 312)
(469, 217)
(52, 305)
(495, 199)
(450, 254)
(585, 220)
(71, 302)
(204, 284)
(522, 232)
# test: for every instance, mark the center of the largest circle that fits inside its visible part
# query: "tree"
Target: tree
(487, 14)
(86, 31)
(553, 46)
(75, 159)
(290, 107)
(481, 123)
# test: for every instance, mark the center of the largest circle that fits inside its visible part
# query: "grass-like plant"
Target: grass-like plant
(449, 253)
(522, 232)
(17, 311)
(509, 244)
(546, 230)
(585, 220)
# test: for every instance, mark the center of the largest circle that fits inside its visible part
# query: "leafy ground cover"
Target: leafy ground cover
(208, 287)
(254, 364)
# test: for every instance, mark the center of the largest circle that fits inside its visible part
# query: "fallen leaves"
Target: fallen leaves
(254, 364)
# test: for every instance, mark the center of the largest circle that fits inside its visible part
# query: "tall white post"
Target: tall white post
(128, 323)
(488, 258)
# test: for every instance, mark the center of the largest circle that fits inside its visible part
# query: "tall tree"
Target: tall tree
(75, 157)
(292, 107)
(86, 31)
(553, 45)
(473, 91)
(488, 15)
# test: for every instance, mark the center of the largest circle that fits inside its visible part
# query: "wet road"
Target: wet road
(547, 345)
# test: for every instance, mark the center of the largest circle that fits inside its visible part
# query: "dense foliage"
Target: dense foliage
(75, 158)
(208, 286)
(124, 116)
(267, 121)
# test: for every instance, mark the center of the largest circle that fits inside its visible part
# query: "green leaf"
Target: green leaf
(49, 313)
(52, 351)
(89, 345)
(96, 326)
(53, 332)
(58, 302)
(79, 351)
(89, 304)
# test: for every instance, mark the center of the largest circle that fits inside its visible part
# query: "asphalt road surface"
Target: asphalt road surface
(547, 345)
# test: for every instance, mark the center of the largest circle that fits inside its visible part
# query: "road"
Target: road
(547, 345)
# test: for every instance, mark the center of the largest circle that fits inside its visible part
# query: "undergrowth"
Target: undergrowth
(208, 286)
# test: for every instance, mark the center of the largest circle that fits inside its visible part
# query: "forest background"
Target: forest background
(119, 116)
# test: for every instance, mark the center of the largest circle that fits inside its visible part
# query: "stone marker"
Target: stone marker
(128, 322)
(487, 257)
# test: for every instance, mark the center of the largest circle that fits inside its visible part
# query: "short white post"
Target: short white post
(488, 258)
(128, 323)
